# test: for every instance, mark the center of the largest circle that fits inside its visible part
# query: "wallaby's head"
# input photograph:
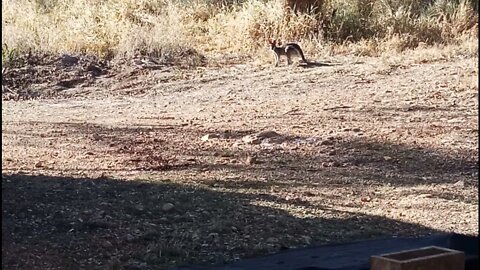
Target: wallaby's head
(272, 42)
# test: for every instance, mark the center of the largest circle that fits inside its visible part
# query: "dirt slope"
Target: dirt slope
(119, 172)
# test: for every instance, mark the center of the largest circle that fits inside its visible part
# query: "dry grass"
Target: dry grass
(125, 28)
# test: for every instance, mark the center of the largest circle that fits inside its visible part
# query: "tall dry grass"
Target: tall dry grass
(167, 28)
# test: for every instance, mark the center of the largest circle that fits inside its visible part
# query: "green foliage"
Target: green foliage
(9, 56)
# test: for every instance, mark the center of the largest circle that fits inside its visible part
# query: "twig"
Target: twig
(7, 89)
(291, 111)
(337, 107)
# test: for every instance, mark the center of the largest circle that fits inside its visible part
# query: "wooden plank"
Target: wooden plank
(427, 258)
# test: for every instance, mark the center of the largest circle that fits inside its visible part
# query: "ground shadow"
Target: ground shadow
(294, 161)
(312, 64)
(53, 222)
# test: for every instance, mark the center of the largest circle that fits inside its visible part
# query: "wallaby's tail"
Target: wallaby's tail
(301, 55)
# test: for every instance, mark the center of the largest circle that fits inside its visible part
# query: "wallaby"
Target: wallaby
(288, 50)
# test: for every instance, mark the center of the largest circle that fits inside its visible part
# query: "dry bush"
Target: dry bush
(108, 28)
(303, 5)
(251, 25)
(431, 21)
(126, 28)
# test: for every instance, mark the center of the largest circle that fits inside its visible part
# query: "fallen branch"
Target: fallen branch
(337, 107)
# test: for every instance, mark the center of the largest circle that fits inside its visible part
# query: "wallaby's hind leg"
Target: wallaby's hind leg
(289, 57)
(277, 60)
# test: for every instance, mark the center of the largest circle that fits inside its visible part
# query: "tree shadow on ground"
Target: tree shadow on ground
(313, 64)
(83, 223)
(294, 161)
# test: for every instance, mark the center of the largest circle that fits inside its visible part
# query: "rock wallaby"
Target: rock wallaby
(288, 49)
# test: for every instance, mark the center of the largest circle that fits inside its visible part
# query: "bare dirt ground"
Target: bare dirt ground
(149, 168)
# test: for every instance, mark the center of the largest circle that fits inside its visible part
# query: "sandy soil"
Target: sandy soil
(148, 168)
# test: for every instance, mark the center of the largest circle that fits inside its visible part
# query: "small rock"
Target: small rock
(366, 199)
(460, 183)
(251, 160)
(96, 71)
(237, 143)
(276, 140)
(356, 130)
(387, 158)
(251, 139)
(39, 164)
(167, 207)
(213, 235)
(267, 134)
(68, 60)
(209, 137)
(272, 240)
(139, 207)
(223, 154)
(107, 244)
(130, 238)
(309, 194)
(335, 164)
(307, 239)
(259, 137)
(327, 142)
(331, 164)
(97, 137)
